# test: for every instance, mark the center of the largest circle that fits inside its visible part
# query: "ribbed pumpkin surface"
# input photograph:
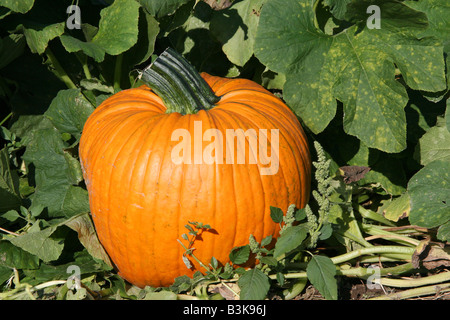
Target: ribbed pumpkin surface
(141, 200)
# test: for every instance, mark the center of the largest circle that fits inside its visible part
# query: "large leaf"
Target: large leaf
(429, 191)
(69, 111)
(321, 272)
(21, 6)
(83, 225)
(434, 144)
(117, 32)
(14, 257)
(290, 239)
(235, 27)
(82, 259)
(437, 14)
(254, 285)
(54, 172)
(160, 8)
(355, 66)
(40, 243)
(37, 39)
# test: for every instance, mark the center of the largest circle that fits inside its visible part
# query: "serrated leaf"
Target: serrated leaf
(271, 261)
(429, 191)
(254, 285)
(290, 239)
(355, 66)
(326, 231)
(276, 214)
(240, 255)
(235, 27)
(266, 240)
(321, 271)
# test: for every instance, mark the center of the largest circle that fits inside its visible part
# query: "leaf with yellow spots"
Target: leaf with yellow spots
(356, 66)
(21, 6)
(429, 191)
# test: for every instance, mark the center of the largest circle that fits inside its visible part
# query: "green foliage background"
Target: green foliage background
(373, 98)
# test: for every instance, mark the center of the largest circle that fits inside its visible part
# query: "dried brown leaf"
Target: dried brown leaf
(353, 173)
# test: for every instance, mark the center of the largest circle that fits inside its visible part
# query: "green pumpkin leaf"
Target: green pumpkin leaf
(15, 257)
(159, 8)
(429, 191)
(444, 232)
(117, 32)
(40, 244)
(69, 111)
(355, 66)
(437, 15)
(397, 208)
(54, 175)
(337, 7)
(82, 259)
(38, 39)
(235, 27)
(21, 6)
(434, 144)
(321, 271)
(254, 285)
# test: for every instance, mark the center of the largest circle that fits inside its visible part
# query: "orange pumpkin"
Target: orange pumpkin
(142, 196)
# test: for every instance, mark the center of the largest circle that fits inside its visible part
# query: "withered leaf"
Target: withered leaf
(229, 291)
(353, 173)
(83, 225)
(430, 256)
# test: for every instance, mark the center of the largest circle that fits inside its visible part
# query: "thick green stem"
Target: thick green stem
(416, 292)
(359, 272)
(118, 71)
(378, 232)
(178, 84)
(404, 251)
(59, 69)
(368, 214)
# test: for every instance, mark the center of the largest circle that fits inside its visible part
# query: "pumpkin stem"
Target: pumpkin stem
(178, 84)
